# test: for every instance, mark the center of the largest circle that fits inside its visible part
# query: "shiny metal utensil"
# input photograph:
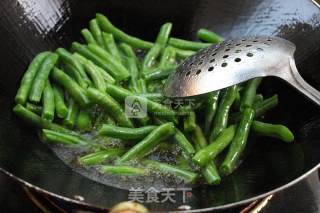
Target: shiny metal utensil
(235, 61)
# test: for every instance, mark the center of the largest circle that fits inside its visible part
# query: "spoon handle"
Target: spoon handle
(299, 83)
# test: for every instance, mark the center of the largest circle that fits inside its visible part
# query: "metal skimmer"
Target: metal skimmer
(235, 61)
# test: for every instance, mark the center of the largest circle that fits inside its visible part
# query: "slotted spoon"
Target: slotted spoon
(235, 61)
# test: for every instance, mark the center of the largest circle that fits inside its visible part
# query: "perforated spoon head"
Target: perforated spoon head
(230, 62)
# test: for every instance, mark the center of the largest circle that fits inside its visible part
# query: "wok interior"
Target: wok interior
(268, 163)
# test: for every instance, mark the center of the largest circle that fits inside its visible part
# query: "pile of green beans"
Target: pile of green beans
(79, 98)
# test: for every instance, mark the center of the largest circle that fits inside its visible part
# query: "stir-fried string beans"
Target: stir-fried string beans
(221, 119)
(238, 142)
(29, 76)
(41, 77)
(107, 93)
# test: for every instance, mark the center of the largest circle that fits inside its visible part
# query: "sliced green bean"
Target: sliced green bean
(187, 176)
(208, 153)
(106, 76)
(41, 77)
(221, 119)
(107, 26)
(164, 34)
(209, 172)
(151, 96)
(71, 117)
(48, 102)
(96, 31)
(273, 130)
(61, 138)
(70, 86)
(211, 108)
(209, 36)
(34, 108)
(84, 122)
(96, 76)
(73, 73)
(184, 143)
(238, 143)
(125, 133)
(116, 69)
(111, 46)
(182, 54)
(157, 109)
(258, 98)
(189, 123)
(158, 73)
(61, 108)
(88, 37)
(111, 106)
(28, 77)
(100, 156)
(187, 45)
(149, 143)
(249, 93)
(67, 57)
(123, 170)
(150, 59)
(168, 58)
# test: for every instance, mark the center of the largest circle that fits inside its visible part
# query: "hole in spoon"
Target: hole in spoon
(224, 64)
(188, 73)
(212, 60)
(249, 54)
(198, 72)
(248, 45)
(225, 56)
(210, 69)
(237, 59)
(259, 49)
(237, 51)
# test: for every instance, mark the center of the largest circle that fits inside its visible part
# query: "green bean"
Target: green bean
(48, 102)
(121, 94)
(28, 77)
(71, 117)
(249, 93)
(151, 57)
(260, 108)
(164, 34)
(189, 123)
(125, 133)
(209, 172)
(61, 108)
(132, 65)
(221, 119)
(106, 76)
(70, 86)
(187, 176)
(208, 153)
(84, 121)
(211, 108)
(84, 51)
(111, 46)
(96, 76)
(67, 57)
(88, 37)
(61, 138)
(142, 85)
(151, 96)
(149, 143)
(208, 36)
(111, 106)
(184, 143)
(168, 58)
(187, 45)
(72, 72)
(238, 142)
(96, 31)
(158, 73)
(182, 54)
(41, 77)
(107, 26)
(36, 120)
(34, 108)
(100, 156)
(258, 98)
(123, 170)
(116, 69)
(273, 130)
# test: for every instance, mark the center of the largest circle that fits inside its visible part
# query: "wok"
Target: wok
(28, 27)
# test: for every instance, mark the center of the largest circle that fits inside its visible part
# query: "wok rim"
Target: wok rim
(103, 208)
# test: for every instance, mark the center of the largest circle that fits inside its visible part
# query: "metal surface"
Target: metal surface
(27, 27)
(235, 61)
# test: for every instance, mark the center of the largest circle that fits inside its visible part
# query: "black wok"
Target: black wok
(28, 27)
